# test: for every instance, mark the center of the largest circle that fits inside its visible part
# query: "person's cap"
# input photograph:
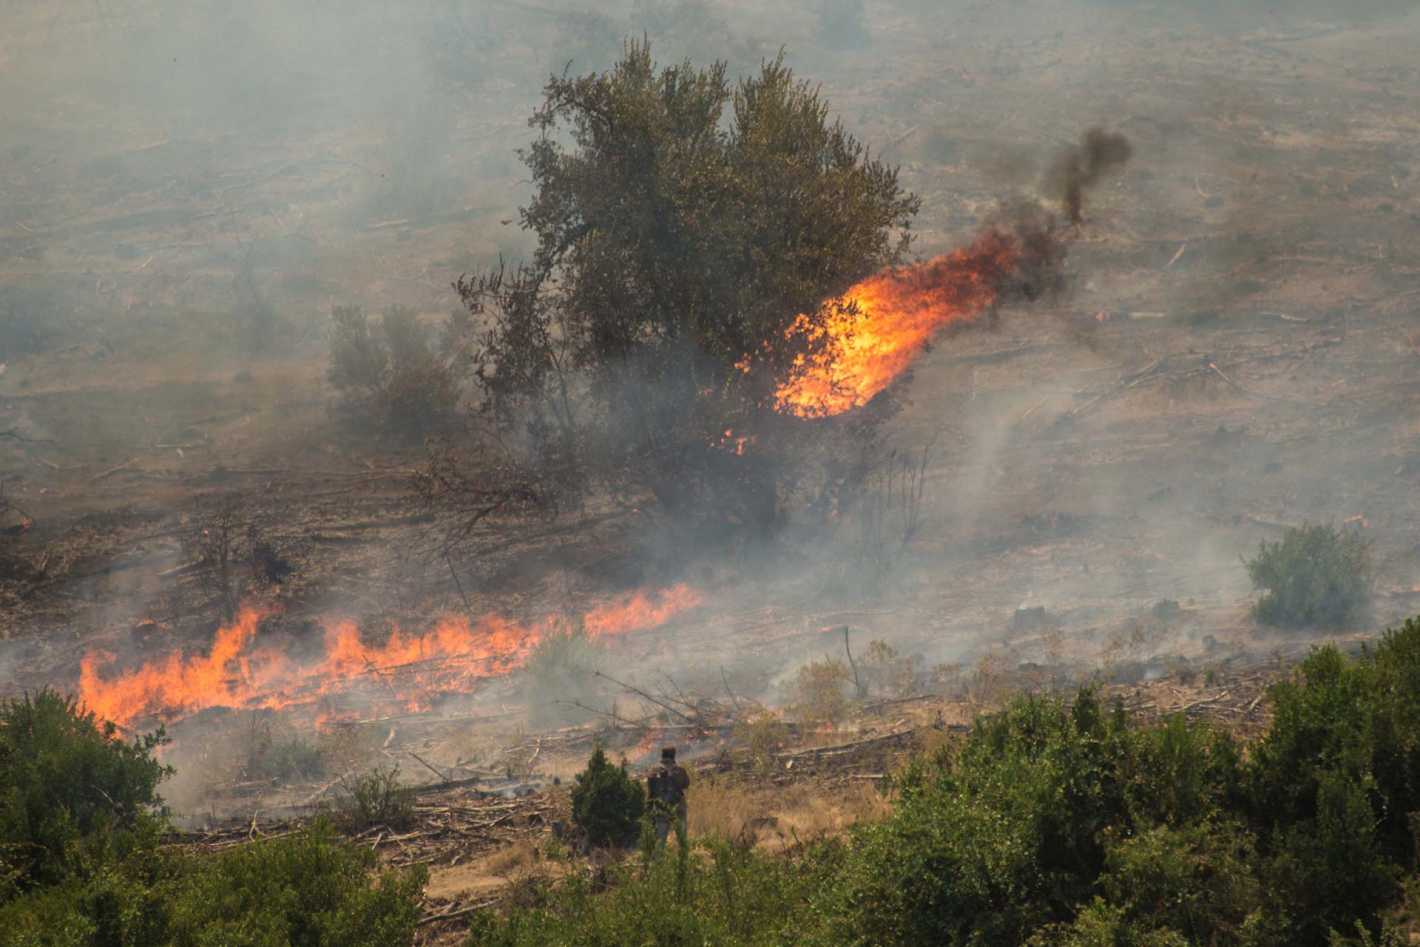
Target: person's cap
(667, 752)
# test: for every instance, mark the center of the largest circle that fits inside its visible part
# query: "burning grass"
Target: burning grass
(238, 670)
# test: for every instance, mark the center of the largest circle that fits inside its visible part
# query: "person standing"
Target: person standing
(667, 784)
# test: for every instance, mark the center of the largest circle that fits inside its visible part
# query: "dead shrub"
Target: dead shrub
(821, 691)
(231, 555)
(761, 735)
(777, 818)
(391, 375)
(887, 673)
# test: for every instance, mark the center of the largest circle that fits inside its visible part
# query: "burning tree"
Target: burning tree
(718, 278)
(688, 231)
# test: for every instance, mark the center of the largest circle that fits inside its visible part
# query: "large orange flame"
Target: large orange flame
(408, 668)
(897, 313)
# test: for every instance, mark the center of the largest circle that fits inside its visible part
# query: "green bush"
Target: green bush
(309, 890)
(1358, 720)
(69, 788)
(992, 843)
(1199, 882)
(1314, 576)
(376, 798)
(726, 894)
(607, 803)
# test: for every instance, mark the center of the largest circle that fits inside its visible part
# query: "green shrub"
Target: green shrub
(1314, 576)
(1179, 772)
(1198, 883)
(68, 786)
(308, 890)
(1359, 720)
(122, 904)
(1060, 823)
(994, 842)
(376, 798)
(725, 894)
(607, 803)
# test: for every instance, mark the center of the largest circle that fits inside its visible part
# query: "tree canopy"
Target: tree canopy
(683, 222)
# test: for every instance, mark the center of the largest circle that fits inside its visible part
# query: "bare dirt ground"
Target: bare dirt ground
(1240, 352)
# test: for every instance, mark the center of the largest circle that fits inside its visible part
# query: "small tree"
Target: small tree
(685, 224)
(1314, 576)
(607, 803)
(66, 782)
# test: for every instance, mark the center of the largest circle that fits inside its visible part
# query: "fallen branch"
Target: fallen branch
(461, 912)
(113, 470)
(429, 766)
(640, 693)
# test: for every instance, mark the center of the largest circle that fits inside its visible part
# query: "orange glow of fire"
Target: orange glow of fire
(898, 312)
(734, 443)
(638, 610)
(410, 669)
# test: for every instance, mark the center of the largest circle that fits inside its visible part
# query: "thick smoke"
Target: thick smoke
(1080, 167)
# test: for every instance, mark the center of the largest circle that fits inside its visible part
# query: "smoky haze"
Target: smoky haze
(188, 189)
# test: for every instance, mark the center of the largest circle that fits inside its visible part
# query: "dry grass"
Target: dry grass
(514, 860)
(776, 818)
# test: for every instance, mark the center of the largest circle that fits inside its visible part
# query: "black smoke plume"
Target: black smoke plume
(1078, 168)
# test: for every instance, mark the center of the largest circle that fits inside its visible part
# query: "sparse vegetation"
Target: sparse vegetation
(391, 377)
(821, 691)
(560, 682)
(1315, 576)
(607, 803)
(375, 798)
(232, 556)
(277, 756)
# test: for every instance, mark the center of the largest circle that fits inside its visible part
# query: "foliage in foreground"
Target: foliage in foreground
(1061, 823)
(80, 822)
(310, 889)
(1314, 576)
(68, 789)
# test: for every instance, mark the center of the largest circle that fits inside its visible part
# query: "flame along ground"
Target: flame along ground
(237, 672)
(897, 313)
